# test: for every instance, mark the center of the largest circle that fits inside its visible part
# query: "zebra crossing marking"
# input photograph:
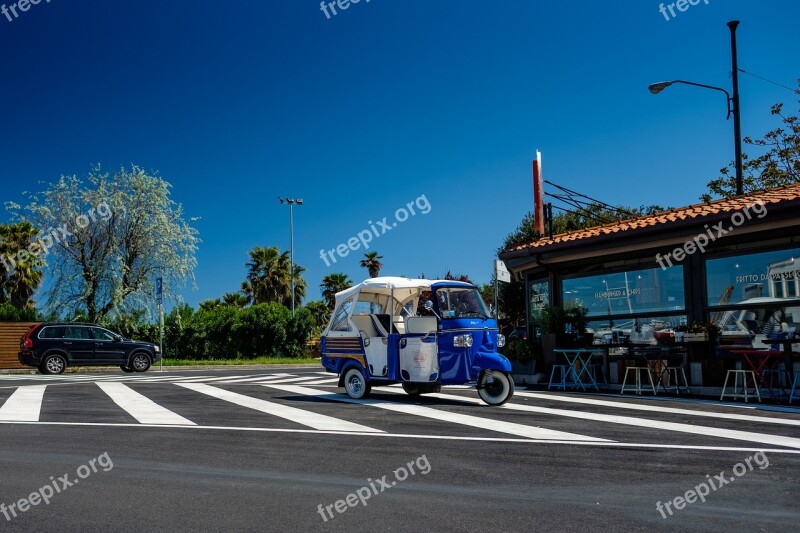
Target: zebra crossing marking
(141, 407)
(24, 405)
(300, 416)
(510, 428)
(775, 440)
(660, 409)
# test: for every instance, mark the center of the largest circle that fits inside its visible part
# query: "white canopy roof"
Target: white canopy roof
(385, 285)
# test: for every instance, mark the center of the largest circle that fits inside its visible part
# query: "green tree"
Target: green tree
(235, 299)
(20, 264)
(269, 277)
(320, 312)
(112, 235)
(778, 164)
(372, 262)
(331, 284)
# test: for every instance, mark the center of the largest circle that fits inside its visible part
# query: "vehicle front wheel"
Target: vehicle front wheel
(497, 391)
(355, 384)
(140, 362)
(411, 389)
(54, 364)
(126, 369)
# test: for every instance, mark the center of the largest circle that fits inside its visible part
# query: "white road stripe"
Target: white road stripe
(24, 405)
(261, 377)
(300, 416)
(659, 409)
(140, 407)
(209, 379)
(292, 380)
(329, 381)
(775, 440)
(445, 416)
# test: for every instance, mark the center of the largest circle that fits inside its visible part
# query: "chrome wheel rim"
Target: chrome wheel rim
(55, 365)
(140, 362)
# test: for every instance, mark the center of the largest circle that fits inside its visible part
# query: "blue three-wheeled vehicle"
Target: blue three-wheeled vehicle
(420, 333)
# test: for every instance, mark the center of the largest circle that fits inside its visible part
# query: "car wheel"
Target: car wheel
(411, 389)
(499, 390)
(140, 362)
(126, 369)
(54, 364)
(355, 384)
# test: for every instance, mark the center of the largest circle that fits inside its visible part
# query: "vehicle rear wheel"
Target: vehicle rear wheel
(140, 362)
(355, 384)
(54, 364)
(497, 391)
(126, 369)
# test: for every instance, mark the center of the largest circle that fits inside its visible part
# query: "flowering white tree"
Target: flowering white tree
(107, 238)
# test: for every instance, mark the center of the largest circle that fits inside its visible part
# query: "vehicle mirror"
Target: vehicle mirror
(428, 305)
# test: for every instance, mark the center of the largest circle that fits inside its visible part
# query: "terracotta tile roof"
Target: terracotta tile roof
(697, 211)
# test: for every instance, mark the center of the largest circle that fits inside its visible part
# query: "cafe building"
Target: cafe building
(734, 263)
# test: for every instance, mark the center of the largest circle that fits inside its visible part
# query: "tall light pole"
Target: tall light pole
(291, 202)
(733, 105)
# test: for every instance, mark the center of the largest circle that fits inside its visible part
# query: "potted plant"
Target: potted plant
(701, 332)
(562, 327)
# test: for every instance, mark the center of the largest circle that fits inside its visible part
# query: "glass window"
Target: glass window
(368, 308)
(52, 332)
(340, 322)
(540, 295)
(760, 321)
(627, 293)
(753, 278)
(102, 335)
(460, 303)
(636, 330)
(77, 332)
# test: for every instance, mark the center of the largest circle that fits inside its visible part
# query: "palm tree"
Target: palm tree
(235, 299)
(300, 286)
(331, 284)
(268, 275)
(21, 283)
(372, 263)
(319, 310)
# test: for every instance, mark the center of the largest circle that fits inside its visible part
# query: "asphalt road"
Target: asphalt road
(275, 450)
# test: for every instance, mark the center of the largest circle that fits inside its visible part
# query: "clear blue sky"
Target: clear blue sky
(238, 102)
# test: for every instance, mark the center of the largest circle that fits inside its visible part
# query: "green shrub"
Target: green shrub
(518, 350)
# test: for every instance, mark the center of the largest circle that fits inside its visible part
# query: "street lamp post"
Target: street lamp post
(291, 202)
(733, 105)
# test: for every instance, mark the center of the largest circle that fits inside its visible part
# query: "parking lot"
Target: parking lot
(279, 449)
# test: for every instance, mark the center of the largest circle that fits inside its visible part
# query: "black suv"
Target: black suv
(51, 347)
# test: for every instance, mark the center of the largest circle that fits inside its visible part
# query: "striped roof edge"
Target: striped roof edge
(777, 195)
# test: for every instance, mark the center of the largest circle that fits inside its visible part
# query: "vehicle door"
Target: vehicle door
(79, 344)
(108, 347)
(419, 359)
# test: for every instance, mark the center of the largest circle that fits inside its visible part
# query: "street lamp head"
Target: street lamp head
(660, 86)
(299, 201)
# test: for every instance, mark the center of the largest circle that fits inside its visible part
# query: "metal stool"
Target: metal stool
(745, 392)
(677, 372)
(637, 370)
(794, 386)
(562, 382)
(773, 376)
(593, 372)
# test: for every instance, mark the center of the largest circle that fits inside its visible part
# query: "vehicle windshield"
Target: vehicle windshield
(461, 302)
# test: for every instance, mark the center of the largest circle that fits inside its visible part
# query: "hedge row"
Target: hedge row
(226, 332)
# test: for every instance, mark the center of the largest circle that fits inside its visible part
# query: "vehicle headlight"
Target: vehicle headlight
(462, 341)
(156, 348)
(501, 340)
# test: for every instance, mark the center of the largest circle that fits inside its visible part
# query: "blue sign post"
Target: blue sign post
(160, 301)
